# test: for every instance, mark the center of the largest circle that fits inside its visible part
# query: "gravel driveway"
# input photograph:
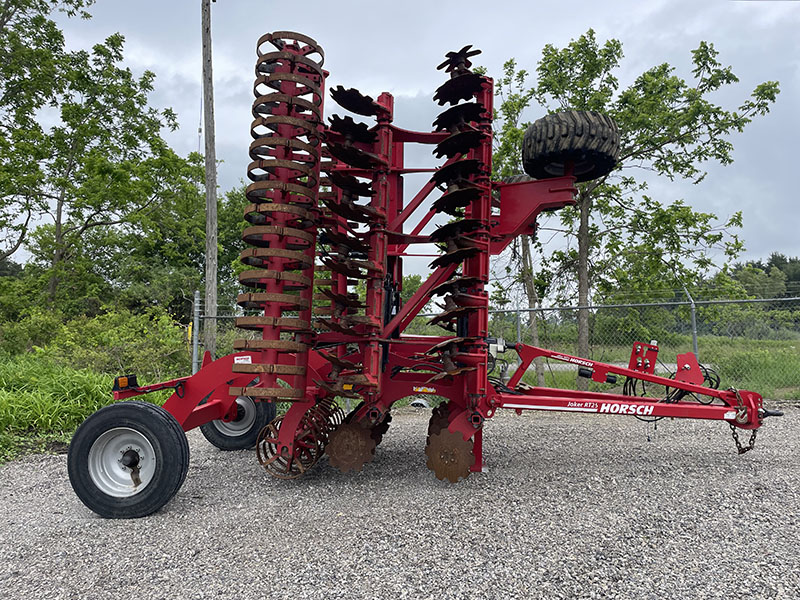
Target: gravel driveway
(573, 506)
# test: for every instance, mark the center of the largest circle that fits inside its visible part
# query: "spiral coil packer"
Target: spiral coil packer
(284, 175)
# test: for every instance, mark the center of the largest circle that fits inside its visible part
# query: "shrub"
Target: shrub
(149, 344)
(38, 328)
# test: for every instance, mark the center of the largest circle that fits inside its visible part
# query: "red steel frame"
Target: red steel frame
(396, 365)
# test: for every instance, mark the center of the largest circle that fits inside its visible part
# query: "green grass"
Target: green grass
(42, 402)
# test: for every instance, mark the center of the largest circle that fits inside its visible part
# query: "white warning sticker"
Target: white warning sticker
(243, 360)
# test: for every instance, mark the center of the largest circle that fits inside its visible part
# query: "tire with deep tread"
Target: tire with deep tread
(226, 436)
(517, 178)
(588, 139)
(152, 425)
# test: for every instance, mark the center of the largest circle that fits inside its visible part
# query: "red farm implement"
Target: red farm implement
(326, 215)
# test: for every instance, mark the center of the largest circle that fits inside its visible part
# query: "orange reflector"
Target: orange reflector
(347, 387)
(124, 382)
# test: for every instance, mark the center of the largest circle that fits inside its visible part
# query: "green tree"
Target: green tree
(230, 225)
(107, 161)
(156, 257)
(411, 284)
(8, 268)
(669, 127)
(777, 266)
(761, 283)
(507, 164)
(31, 46)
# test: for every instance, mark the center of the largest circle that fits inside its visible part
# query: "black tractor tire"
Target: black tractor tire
(588, 140)
(117, 441)
(242, 432)
(517, 178)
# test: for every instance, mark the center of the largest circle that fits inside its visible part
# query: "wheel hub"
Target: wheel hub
(246, 414)
(121, 462)
(130, 459)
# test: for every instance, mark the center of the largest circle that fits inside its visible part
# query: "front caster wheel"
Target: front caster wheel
(128, 460)
(240, 433)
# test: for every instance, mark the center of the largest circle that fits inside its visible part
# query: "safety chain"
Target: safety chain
(750, 445)
(741, 413)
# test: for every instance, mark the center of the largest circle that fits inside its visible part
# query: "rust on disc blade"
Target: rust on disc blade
(449, 455)
(459, 197)
(379, 430)
(350, 211)
(328, 324)
(340, 362)
(342, 239)
(441, 346)
(456, 256)
(350, 447)
(454, 373)
(350, 155)
(440, 419)
(452, 314)
(349, 300)
(455, 285)
(454, 229)
(365, 320)
(344, 268)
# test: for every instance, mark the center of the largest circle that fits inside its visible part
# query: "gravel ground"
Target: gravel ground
(572, 506)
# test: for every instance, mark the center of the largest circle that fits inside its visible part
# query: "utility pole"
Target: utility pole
(210, 322)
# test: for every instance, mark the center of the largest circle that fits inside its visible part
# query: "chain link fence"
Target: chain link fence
(751, 344)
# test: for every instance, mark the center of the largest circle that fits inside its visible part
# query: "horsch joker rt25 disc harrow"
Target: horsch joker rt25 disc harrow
(325, 213)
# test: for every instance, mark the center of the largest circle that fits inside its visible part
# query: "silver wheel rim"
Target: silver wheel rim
(107, 457)
(239, 427)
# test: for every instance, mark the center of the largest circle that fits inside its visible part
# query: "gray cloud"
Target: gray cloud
(395, 48)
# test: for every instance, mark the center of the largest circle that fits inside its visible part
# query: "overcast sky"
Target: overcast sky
(395, 47)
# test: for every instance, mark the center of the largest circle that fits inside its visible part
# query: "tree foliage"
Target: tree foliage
(618, 235)
(107, 161)
(81, 155)
(31, 49)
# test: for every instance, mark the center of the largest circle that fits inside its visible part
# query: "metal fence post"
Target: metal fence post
(519, 326)
(694, 323)
(196, 334)
(694, 332)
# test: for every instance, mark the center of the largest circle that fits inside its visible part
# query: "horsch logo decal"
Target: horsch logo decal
(573, 360)
(626, 409)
